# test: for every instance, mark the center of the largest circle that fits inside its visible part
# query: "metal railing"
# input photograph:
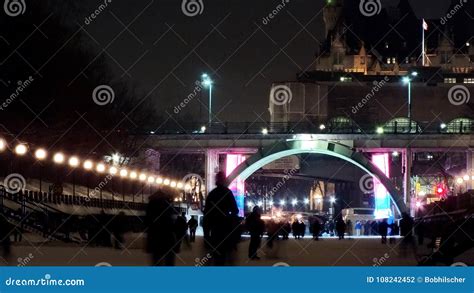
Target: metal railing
(263, 128)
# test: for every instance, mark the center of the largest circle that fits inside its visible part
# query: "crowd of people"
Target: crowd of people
(167, 228)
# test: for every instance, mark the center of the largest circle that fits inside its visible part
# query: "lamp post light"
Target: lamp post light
(282, 204)
(207, 82)
(407, 80)
(40, 155)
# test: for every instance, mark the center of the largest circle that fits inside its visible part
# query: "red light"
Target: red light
(440, 190)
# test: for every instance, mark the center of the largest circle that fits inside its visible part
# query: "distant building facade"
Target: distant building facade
(353, 86)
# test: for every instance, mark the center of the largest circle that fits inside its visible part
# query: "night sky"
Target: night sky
(228, 40)
(151, 54)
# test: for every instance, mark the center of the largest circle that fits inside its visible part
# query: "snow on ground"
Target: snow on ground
(303, 252)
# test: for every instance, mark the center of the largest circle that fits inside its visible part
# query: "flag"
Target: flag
(425, 25)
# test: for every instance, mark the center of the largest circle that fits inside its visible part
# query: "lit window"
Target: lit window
(469, 80)
(450, 80)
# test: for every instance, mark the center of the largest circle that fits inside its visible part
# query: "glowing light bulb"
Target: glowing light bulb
(58, 158)
(123, 173)
(21, 149)
(88, 165)
(40, 154)
(73, 161)
(113, 170)
(100, 168)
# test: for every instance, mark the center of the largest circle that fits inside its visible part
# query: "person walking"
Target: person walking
(181, 231)
(383, 230)
(340, 228)
(358, 228)
(420, 232)
(119, 227)
(349, 227)
(406, 231)
(256, 228)
(160, 228)
(394, 231)
(192, 224)
(221, 221)
(316, 229)
(5, 231)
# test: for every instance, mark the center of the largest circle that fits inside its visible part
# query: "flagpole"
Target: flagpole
(423, 42)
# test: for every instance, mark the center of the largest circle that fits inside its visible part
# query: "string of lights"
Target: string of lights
(73, 161)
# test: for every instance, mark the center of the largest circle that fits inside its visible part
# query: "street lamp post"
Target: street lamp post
(407, 80)
(207, 82)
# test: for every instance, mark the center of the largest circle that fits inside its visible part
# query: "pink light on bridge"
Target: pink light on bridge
(382, 198)
(238, 185)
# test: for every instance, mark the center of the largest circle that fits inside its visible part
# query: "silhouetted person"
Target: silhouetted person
(181, 230)
(286, 230)
(119, 225)
(161, 234)
(349, 227)
(316, 229)
(256, 227)
(272, 232)
(406, 231)
(374, 228)
(383, 230)
(192, 224)
(302, 228)
(221, 221)
(394, 231)
(103, 233)
(295, 228)
(420, 232)
(5, 231)
(340, 228)
(331, 227)
(367, 228)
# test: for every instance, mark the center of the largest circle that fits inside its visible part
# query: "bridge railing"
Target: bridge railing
(460, 127)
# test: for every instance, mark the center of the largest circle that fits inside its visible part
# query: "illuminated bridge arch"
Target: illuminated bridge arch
(314, 146)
